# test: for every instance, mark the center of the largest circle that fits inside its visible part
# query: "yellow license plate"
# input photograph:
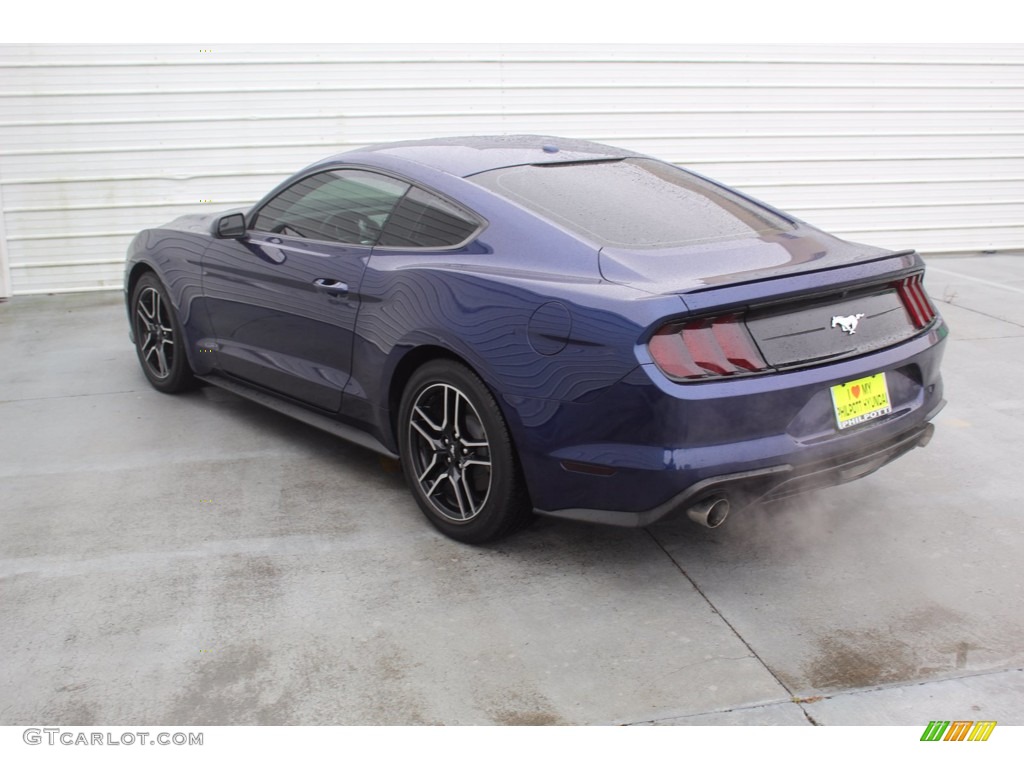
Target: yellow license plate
(861, 400)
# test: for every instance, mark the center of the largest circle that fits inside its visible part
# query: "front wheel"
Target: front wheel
(159, 341)
(458, 457)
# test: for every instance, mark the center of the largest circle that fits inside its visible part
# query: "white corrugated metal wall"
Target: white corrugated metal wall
(902, 146)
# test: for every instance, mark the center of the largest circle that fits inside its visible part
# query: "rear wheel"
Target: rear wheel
(159, 341)
(457, 455)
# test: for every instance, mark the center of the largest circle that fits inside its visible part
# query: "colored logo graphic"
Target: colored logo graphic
(958, 730)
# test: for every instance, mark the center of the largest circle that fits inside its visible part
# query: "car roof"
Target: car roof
(468, 155)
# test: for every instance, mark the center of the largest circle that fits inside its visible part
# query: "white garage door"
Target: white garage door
(901, 146)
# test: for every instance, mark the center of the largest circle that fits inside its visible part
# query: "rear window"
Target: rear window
(632, 203)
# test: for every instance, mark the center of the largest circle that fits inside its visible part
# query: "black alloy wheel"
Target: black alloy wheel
(158, 338)
(458, 457)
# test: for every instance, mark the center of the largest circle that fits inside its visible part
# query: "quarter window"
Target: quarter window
(424, 220)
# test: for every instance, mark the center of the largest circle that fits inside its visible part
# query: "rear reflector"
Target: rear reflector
(911, 290)
(706, 348)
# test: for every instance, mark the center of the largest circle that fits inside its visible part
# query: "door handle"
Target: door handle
(330, 287)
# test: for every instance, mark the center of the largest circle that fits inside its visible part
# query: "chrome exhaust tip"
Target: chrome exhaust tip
(710, 512)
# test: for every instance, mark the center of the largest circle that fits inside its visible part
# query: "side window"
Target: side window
(344, 206)
(424, 220)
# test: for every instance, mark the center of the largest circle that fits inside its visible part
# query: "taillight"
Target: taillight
(911, 290)
(706, 348)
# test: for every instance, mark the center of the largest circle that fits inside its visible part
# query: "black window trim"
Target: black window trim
(482, 223)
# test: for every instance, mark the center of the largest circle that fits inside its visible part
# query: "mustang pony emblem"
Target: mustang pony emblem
(847, 323)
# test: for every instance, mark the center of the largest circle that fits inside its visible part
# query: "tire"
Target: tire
(159, 341)
(458, 457)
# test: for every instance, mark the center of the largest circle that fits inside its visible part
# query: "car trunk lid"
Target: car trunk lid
(683, 269)
(803, 302)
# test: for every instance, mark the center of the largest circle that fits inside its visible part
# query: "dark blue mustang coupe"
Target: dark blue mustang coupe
(542, 325)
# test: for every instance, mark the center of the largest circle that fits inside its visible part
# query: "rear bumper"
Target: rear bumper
(647, 447)
(766, 484)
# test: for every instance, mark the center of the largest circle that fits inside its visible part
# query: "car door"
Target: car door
(283, 300)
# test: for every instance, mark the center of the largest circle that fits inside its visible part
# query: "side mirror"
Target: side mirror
(231, 226)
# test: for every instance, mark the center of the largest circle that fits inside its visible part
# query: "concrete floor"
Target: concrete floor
(200, 560)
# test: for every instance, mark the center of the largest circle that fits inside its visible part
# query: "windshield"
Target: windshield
(633, 203)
